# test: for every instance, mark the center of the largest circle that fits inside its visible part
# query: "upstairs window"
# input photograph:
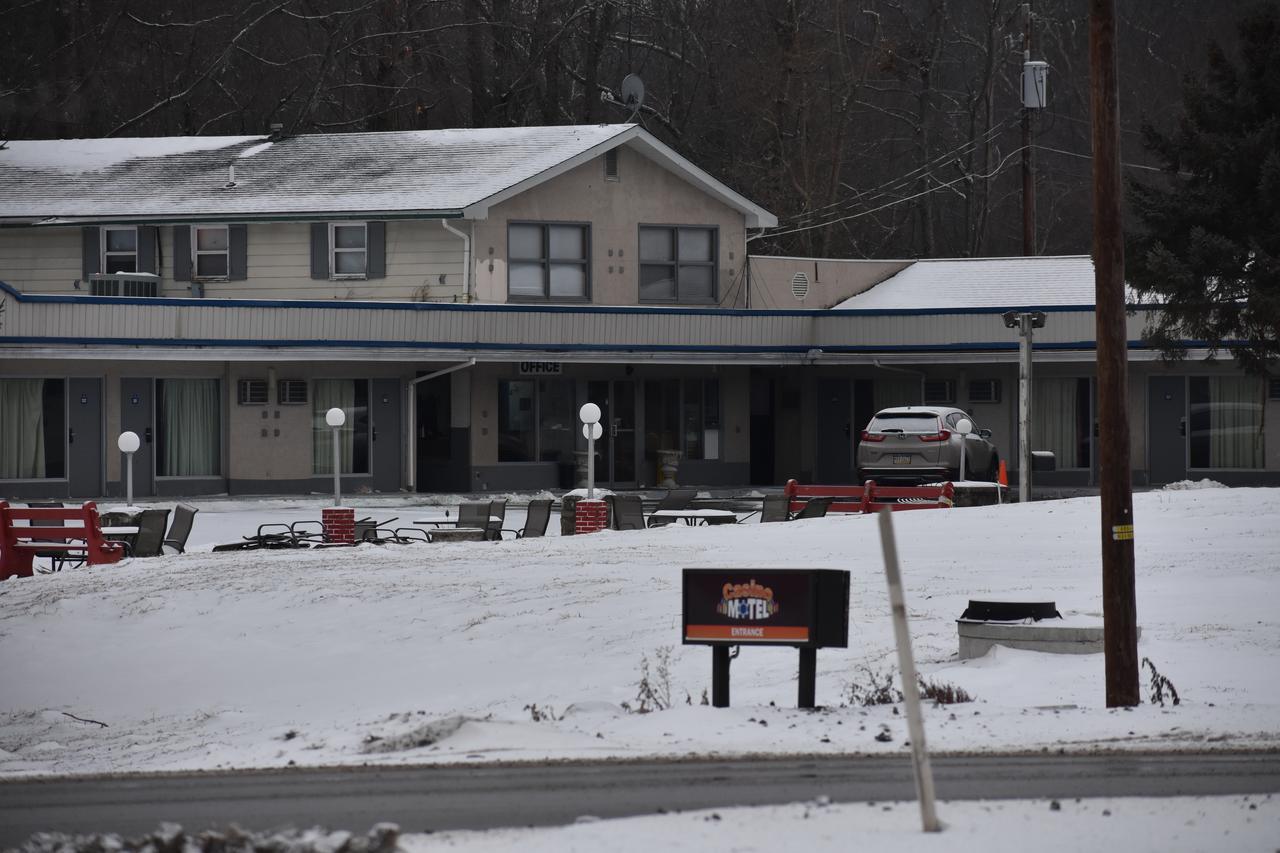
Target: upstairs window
(349, 252)
(120, 249)
(548, 261)
(210, 247)
(677, 264)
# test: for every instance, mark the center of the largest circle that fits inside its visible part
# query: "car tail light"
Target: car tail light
(941, 435)
(871, 436)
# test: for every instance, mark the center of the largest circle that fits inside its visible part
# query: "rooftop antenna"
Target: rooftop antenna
(632, 96)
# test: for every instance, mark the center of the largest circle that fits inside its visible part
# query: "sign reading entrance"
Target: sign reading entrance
(805, 608)
(539, 368)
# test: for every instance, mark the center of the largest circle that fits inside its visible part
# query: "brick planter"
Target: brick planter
(339, 525)
(590, 516)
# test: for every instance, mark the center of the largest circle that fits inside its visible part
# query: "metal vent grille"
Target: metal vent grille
(251, 392)
(984, 391)
(1273, 389)
(292, 392)
(611, 164)
(800, 285)
(118, 284)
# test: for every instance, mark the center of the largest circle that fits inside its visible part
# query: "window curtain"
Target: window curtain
(898, 391)
(21, 429)
(330, 394)
(189, 421)
(1235, 422)
(1053, 419)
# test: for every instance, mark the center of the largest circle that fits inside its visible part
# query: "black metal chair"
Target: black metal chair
(815, 508)
(151, 525)
(535, 522)
(674, 499)
(179, 529)
(627, 512)
(473, 515)
(497, 514)
(776, 508)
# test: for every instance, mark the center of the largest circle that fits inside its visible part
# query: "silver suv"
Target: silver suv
(920, 444)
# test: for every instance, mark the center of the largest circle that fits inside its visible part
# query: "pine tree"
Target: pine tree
(1209, 246)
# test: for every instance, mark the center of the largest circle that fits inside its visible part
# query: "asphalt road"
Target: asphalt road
(479, 797)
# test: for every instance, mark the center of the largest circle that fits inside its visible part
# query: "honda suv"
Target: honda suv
(920, 444)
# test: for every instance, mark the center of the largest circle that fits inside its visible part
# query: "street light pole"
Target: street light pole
(335, 418)
(128, 443)
(1026, 322)
(589, 414)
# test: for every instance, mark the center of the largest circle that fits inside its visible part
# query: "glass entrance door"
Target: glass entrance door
(616, 450)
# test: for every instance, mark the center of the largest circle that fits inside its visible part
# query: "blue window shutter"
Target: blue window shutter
(238, 262)
(182, 253)
(147, 248)
(91, 251)
(320, 250)
(376, 259)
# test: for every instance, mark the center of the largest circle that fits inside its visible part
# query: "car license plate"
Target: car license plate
(902, 459)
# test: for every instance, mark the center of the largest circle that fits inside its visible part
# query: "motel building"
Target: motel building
(460, 293)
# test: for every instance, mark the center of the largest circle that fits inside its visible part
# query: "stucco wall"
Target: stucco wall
(828, 281)
(645, 193)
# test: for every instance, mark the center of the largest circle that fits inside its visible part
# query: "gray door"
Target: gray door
(84, 438)
(385, 433)
(834, 463)
(1167, 428)
(136, 415)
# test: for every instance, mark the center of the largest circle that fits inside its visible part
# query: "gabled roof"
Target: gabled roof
(454, 173)
(1019, 282)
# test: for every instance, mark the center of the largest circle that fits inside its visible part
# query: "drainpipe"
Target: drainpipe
(466, 258)
(411, 397)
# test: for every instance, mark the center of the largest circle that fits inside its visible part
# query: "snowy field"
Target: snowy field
(525, 650)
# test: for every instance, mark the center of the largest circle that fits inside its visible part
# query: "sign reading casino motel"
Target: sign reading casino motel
(769, 607)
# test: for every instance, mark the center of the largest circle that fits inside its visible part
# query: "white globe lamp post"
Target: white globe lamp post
(964, 426)
(335, 418)
(128, 443)
(589, 414)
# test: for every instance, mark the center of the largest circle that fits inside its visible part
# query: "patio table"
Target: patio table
(695, 516)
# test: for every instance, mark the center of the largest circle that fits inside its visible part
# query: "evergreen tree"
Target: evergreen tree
(1209, 246)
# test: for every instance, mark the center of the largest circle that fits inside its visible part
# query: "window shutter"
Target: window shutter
(320, 250)
(91, 251)
(147, 249)
(376, 259)
(238, 252)
(182, 253)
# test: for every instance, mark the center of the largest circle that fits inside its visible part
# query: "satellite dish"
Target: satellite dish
(632, 94)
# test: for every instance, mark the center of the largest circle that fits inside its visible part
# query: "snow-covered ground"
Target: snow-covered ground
(533, 649)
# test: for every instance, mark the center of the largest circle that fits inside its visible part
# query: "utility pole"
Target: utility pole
(1026, 322)
(1119, 602)
(1028, 164)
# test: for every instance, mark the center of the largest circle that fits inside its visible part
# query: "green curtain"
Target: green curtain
(329, 394)
(1235, 422)
(1054, 419)
(189, 425)
(21, 429)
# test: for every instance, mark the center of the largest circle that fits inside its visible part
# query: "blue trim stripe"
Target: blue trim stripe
(989, 346)
(523, 308)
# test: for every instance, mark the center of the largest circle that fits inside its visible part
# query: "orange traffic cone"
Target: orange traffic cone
(1003, 482)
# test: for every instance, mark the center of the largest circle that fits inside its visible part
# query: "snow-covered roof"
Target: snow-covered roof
(445, 172)
(1021, 282)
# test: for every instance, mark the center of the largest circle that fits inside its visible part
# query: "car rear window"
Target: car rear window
(904, 422)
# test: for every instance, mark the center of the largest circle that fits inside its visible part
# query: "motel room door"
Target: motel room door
(137, 414)
(385, 434)
(1167, 429)
(84, 437)
(616, 450)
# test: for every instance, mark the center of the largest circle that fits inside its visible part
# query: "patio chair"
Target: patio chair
(473, 515)
(627, 512)
(674, 499)
(175, 541)
(377, 532)
(776, 508)
(535, 522)
(815, 508)
(493, 526)
(151, 525)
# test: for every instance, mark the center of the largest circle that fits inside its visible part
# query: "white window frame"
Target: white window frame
(196, 253)
(334, 251)
(106, 241)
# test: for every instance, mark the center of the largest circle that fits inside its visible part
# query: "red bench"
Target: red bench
(19, 543)
(870, 497)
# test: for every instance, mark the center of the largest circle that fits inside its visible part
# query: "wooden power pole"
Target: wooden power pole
(1119, 603)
